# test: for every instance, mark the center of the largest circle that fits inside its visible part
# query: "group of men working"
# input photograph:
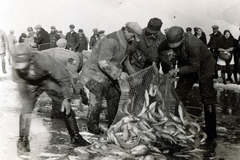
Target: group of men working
(115, 57)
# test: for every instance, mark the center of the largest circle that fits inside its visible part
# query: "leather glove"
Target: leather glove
(66, 106)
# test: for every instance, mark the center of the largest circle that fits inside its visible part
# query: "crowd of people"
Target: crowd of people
(38, 68)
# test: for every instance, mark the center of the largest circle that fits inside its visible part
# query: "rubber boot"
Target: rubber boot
(56, 112)
(223, 78)
(73, 129)
(210, 120)
(94, 111)
(112, 108)
(84, 96)
(23, 143)
(4, 66)
(230, 77)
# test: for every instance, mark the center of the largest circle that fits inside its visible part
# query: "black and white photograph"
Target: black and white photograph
(120, 80)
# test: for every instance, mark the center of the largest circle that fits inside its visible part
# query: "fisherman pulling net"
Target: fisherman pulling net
(151, 112)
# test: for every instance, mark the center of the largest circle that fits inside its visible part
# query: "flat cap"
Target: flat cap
(154, 25)
(95, 29)
(175, 36)
(38, 26)
(188, 29)
(71, 26)
(21, 55)
(29, 29)
(101, 32)
(80, 30)
(134, 26)
(53, 27)
(215, 26)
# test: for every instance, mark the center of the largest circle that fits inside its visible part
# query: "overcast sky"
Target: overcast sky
(111, 15)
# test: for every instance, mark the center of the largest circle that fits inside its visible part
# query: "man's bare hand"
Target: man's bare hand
(66, 106)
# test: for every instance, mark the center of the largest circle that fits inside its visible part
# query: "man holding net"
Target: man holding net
(195, 62)
(104, 69)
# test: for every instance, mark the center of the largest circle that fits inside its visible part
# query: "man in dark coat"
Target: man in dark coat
(195, 62)
(103, 71)
(94, 38)
(72, 38)
(82, 42)
(213, 43)
(147, 48)
(36, 72)
(54, 37)
(42, 38)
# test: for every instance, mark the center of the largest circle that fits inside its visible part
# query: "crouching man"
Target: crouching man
(36, 72)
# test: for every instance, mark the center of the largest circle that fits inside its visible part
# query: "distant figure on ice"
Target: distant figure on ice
(201, 35)
(72, 38)
(93, 39)
(36, 72)
(61, 34)
(189, 31)
(22, 38)
(12, 40)
(54, 37)
(3, 48)
(82, 43)
(30, 38)
(41, 38)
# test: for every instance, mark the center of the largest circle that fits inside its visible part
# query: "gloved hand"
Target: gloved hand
(173, 72)
(66, 105)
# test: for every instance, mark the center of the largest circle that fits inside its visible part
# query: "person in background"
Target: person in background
(82, 43)
(72, 38)
(41, 38)
(4, 46)
(54, 37)
(195, 31)
(189, 31)
(61, 34)
(226, 47)
(11, 41)
(93, 39)
(101, 34)
(22, 38)
(30, 38)
(195, 62)
(213, 43)
(201, 35)
(36, 72)
(104, 70)
(237, 63)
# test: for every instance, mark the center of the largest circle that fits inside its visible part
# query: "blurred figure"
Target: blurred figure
(3, 48)
(237, 63)
(101, 34)
(54, 37)
(195, 31)
(201, 35)
(93, 39)
(226, 47)
(61, 34)
(22, 38)
(72, 38)
(30, 38)
(82, 43)
(189, 30)
(11, 41)
(41, 38)
(213, 43)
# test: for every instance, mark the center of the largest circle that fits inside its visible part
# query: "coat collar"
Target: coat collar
(122, 38)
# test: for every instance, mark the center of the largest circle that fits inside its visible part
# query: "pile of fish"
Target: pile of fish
(155, 124)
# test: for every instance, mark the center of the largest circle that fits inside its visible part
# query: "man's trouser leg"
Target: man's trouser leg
(94, 110)
(3, 63)
(208, 99)
(215, 56)
(73, 129)
(113, 97)
(184, 85)
(56, 109)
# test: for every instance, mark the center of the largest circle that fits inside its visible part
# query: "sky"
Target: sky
(111, 15)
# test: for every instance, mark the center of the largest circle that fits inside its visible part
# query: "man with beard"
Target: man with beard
(195, 62)
(103, 71)
(36, 72)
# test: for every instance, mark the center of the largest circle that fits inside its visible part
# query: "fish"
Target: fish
(127, 145)
(149, 157)
(144, 109)
(139, 150)
(164, 120)
(146, 98)
(151, 119)
(166, 136)
(204, 137)
(125, 134)
(152, 136)
(142, 126)
(152, 106)
(145, 123)
(125, 107)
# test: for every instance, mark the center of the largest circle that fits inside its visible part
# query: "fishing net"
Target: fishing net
(153, 112)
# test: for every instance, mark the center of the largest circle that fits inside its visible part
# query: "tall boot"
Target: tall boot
(24, 127)
(94, 111)
(230, 76)
(210, 120)
(112, 108)
(73, 129)
(56, 112)
(4, 66)
(223, 78)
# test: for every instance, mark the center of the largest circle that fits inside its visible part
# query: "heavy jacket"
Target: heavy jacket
(82, 44)
(146, 52)
(12, 40)
(93, 41)
(30, 40)
(72, 39)
(3, 42)
(203, 38)
(22, 38)
(42, 40)
(112, 48)
(49, 76)
(54, 37)
(213, 42)
(194, 57)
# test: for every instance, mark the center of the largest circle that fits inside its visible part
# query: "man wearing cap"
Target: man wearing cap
(30, 38)
(93, 39)
(41, 38)
(189, 30)
(54, 37)
(72, 38)
(147, 48)
(104, 70)
(36, 72)
(61, 34)
(12, 40)
(82, 42)
(3, 48)
(195, 62)
(213, 44)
